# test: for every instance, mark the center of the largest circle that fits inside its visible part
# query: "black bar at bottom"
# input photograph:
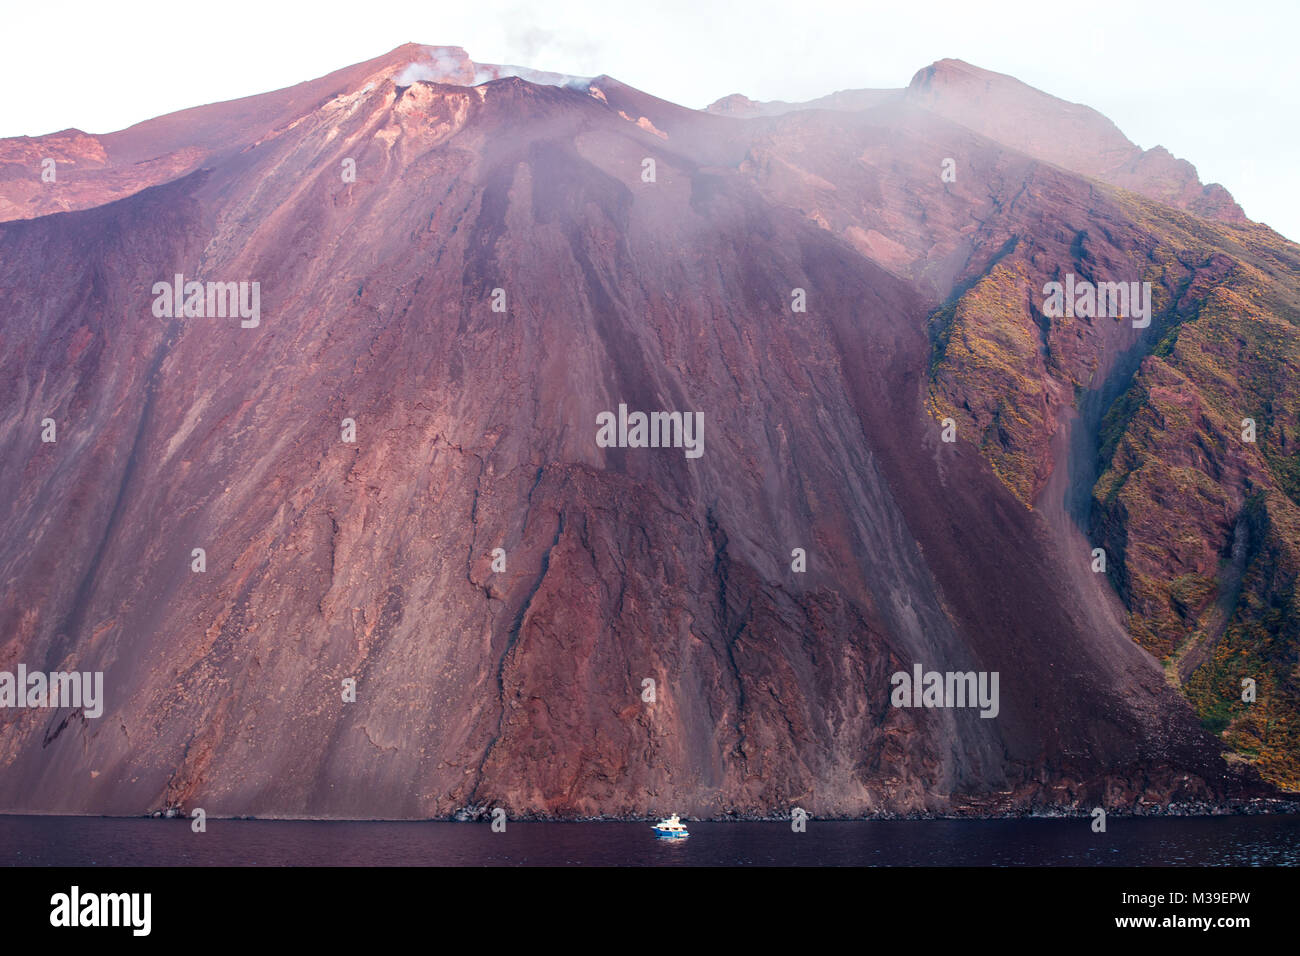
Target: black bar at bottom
(335, 906)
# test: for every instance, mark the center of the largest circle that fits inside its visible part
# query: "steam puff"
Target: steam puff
(415, 71)
(444, 67)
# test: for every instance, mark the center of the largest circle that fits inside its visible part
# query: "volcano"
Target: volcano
(397, 549)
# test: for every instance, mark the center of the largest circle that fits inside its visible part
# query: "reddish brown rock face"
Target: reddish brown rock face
(1068, 135)
(476, 430)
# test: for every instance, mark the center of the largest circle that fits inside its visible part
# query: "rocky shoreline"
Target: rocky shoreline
(1251, 807)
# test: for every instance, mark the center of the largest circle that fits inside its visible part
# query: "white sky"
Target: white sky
(1216, 83)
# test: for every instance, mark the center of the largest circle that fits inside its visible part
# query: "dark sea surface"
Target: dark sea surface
(1166, 841)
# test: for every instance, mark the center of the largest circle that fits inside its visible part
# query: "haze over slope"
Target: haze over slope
(476, 430)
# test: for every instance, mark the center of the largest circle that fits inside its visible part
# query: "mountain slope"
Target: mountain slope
(1017, 116)
(476, 430)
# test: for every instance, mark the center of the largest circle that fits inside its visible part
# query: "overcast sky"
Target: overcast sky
(1215, 83)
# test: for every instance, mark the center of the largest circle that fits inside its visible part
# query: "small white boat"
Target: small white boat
(672, 828)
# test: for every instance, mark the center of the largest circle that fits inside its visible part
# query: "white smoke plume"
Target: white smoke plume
(451, 65)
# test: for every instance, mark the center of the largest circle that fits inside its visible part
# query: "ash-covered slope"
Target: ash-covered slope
(476, 430)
